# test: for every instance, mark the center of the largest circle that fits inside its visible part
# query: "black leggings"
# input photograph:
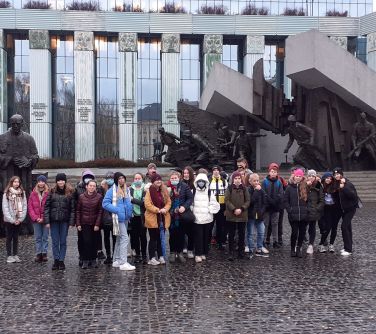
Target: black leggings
(138, 236)
(329, 224)
(232, 227)
(89, 243)
(298, 231)
(312, 232)
(154, 243)
(176, 238)
(12, 231)
(107, 231)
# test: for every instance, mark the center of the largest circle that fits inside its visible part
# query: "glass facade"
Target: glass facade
(63, 97)
(230, 56)
(106, 111)
(149, 107)
(270, 63)
(353, 8)
(190, 71)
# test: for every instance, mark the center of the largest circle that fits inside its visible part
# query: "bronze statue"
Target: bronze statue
(172, 142)
(363, 139)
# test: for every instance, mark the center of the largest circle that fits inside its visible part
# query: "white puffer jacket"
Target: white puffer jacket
(202, 208)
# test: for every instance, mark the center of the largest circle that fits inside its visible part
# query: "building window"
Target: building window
(106, 111)
(361, 49)
(149, 107)
(63, 109)
(230, 56)
(270, 64)
(190, 71)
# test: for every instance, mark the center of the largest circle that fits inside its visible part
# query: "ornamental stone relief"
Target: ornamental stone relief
(255, 44)
(340, 40)
(170, 43)
(213, 44)
(371, 42)
(127, 42)
(39, 39)
(83, 41)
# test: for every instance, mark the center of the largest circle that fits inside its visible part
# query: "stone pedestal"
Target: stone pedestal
(3, 84)
(170, 50)
(40, 91)
(371, 50)
(127, 93)
(253, 51)
(84, 78)
(213, 49)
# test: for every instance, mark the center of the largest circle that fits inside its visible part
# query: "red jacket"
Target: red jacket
(89, 209)
(35, 207)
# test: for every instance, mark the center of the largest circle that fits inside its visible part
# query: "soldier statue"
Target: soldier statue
(172, 142)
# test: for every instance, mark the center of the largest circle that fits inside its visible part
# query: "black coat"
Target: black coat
(59, 208)
(257, 207)
(274, 193)
(315, 202)
(185, 195)
(348, 197)
(296, 208)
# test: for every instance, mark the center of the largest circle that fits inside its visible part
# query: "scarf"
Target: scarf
(158, 200)
(115, 218)
(15, 198)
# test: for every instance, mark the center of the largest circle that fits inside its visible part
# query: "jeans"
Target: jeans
(41, 233)
(176, 238)
(59, 232)
(121, 246)
(12, 232)
(260, 228)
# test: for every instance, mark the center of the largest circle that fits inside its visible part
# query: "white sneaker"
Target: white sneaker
(344, 253)
(246, 249)
(162, 260)
(331, 249)
(203, 257)
(190, 255)
(264, 250)
(16, 259)
(185, 251)
(310, 249)
(116, 264)
(10, 259)
(322, 249)
(154, 262)
(198, 259)
(127, 266)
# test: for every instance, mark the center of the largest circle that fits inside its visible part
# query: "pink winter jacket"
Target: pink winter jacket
(35, 206)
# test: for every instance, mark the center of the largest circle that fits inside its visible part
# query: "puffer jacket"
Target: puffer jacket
(315, 203)
(237, 198)
(348, 197)
(257, 207)
(204, 204)
(123, 208)
(294, 205)
(36, 205)
(59, 208)
(89, 209)
(9, 214)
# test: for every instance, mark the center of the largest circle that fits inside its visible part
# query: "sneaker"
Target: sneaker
(264, 250)
(276, 245)
(203, 257)
(322, 249)
(185, 251)
(310, 249)
(10, 259)
(16, 259)
(126, 266)
(85, 265)
(55, 266)
(198, 259)
(108, 260)
(261, 253)
(344, 253)
(246, 249)
(154, 262)
(61, 265)
(162, 260)
(190, 255)
(181, 258)
(331, 249)
(299, 252)
(100, 255)
(93, 263)
(116, 264)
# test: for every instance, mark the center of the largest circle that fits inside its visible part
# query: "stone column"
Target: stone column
(253, 51)
(340, 41)
(127, 93)
(40, 91)
(170, 49)
(3, 84)
(213, 49)
(371, 50)
(84, 79)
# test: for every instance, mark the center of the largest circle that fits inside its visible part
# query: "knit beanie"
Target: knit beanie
(274, 166)
(338, 170)
(326, 175)
(41, 178)
(298, 172)
(311, 172)
(109, 175)
(236, 174)
(61, 177)
(117, 176)
(155, 177)
(152, 165)
(88, 174)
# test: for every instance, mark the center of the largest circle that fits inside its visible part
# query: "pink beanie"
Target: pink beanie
(298, 172)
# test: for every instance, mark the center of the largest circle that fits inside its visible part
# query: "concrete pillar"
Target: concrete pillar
(213, 49)
(84, 78)
(253, 51)
(340, 41)
(371, 50)
(127, 92)
(170, 49)
(3, 84)
(40, 91)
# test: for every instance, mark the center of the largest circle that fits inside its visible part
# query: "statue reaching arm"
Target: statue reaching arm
(289, 143)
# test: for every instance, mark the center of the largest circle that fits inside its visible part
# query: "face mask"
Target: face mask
(174, 183)
(110, 182)
(201, 184)
(87, 179)
(137, 183)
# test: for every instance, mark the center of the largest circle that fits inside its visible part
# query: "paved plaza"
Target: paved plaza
(323, 293)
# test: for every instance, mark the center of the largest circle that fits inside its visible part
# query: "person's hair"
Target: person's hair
(46, 187)
(191, 174)
(250, 177)
(202, 171)
(246, 179)
(69, 190)
(10, 184)
(90, 182)
(242, 160)
(142, 176)
(303, 189)
(174, 172)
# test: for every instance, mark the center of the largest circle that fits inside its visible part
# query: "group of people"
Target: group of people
(199, 209)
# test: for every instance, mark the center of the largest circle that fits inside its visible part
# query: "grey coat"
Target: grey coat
(9, 214)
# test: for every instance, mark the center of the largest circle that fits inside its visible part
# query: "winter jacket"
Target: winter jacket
(218, 188)
(185, 195)
(9, 214)
(257, 206)
(36, 205)
(59, 208)
(348, 197)
(274, 193)
(204, 204)
(315, 203)
(89, 209)
(237, 198)
(294, 205)
(123, 208)
(152, 216)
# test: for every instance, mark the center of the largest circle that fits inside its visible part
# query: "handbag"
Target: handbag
(187, 217)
